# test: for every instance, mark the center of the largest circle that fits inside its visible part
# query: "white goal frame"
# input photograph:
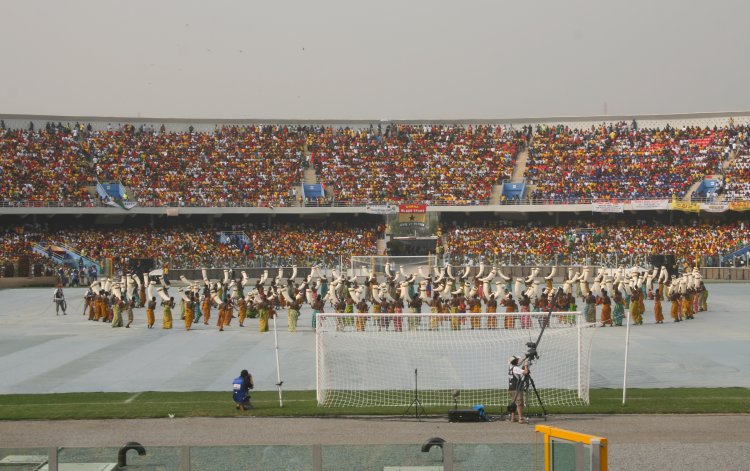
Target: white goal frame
(498, 342)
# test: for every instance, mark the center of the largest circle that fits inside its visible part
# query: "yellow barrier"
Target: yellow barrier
(597, 446)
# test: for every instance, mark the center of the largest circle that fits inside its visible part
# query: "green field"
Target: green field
(303, 404)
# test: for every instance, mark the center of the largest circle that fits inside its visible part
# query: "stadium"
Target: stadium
(561, 292)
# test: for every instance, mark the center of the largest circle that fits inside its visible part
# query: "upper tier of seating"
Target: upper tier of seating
(737, 173)
(445, 164)
(263, 165)
(622, 162)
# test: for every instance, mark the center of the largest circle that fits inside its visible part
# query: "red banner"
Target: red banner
(412, 208)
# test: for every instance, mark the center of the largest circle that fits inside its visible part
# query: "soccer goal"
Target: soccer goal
(362, 265)
(374, 360)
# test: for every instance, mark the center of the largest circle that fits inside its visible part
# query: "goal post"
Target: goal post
(365, 360)
(362, 265)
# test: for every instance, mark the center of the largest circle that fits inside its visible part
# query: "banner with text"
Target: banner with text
(685, 206)
(645, 205)
(412, 208)
(412, 216)
(715, 207)
(739, 206)
(381, 208)
(604, 207)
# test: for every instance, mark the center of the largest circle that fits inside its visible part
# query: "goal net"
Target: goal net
(361, 265)
(375, 360)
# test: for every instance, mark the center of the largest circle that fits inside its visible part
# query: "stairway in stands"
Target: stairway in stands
(725, 168)
(309, 177)
(497, 191)
(517, 176)
(520, 169)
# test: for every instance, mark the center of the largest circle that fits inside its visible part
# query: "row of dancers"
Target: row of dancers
(465, 291)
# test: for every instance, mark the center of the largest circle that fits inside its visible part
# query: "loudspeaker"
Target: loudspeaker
(466, 415)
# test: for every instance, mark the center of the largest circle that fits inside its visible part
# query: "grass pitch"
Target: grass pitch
(303, 404)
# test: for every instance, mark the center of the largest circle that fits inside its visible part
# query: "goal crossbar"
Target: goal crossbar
(373, 359)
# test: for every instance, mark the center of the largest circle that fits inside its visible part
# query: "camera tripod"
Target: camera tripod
(523, 386)
(531, 355)
(416, 403)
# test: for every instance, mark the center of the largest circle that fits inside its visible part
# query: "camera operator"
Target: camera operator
(516, 387)
(241, 387)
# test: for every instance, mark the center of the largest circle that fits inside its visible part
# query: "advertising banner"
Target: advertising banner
(685, 206)
(603, 207)
(412, 208)
(645, 205)
(381, 208)
(739, 205)
(715, 207)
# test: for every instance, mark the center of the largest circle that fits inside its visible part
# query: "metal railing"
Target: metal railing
(432, 453)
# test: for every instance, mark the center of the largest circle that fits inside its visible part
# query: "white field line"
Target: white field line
(130, 399)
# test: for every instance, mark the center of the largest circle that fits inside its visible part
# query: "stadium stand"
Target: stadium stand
(407, 163)
(69, 174)
(737, 177)
(190, 246)
(330, 243)
(620, 161)
(580, 242)
(263, 165)
(233, 166)
(43, 165)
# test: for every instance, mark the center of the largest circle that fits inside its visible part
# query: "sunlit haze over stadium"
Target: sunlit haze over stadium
(373, 60)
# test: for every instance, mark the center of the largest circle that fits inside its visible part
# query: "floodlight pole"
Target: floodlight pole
(279, 382)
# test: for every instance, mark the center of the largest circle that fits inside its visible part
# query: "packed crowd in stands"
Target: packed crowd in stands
(620, 161)
(406, 163)
(331, 243)
(737, 175)
(196, 247)
(43, 165)
(263, 165)
(592, 243)
(232, 166)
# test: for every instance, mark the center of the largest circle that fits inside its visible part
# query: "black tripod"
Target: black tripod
(416, 403)
(523, 386)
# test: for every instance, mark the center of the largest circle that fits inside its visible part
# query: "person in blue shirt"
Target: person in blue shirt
(241, 387)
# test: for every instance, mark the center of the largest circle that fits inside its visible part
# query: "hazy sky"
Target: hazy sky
(407, 59)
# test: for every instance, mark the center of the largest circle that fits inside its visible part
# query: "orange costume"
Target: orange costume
(510, 306)
(491, 310)
(206, 308)
(476, 309)
(658, 315)
(242, 306)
